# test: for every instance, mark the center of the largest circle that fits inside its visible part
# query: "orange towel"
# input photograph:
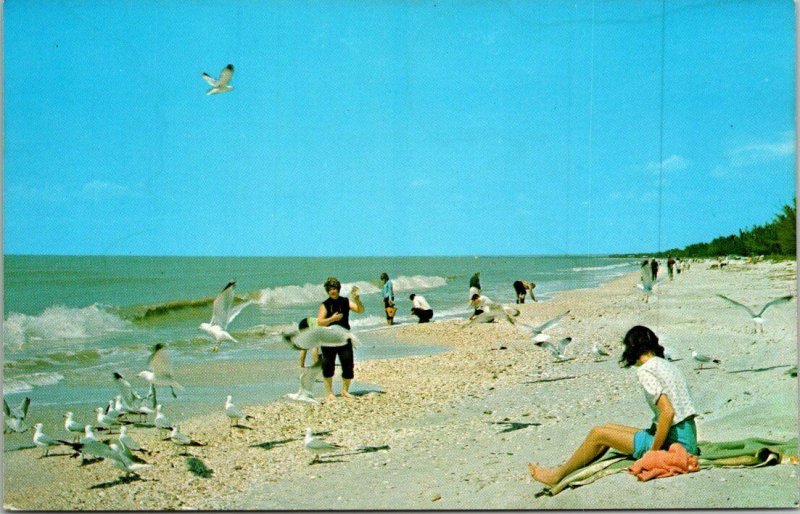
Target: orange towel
(664, 463)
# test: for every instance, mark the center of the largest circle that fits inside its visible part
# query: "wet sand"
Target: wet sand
(442, 416)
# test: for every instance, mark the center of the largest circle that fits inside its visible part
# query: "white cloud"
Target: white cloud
(671, 163)
(759, 153)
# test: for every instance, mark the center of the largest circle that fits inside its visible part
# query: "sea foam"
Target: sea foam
(59, 323)
(24, 383)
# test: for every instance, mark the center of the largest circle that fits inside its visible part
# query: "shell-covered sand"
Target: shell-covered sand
(434, 438)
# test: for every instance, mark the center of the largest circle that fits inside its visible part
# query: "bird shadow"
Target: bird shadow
(513, 425)
(125, 479)
(268, 445)
(554, 379)
(367, 449)
(364, 392)
(197, 467)
(241, 427)
(758, 370)
(325, 461)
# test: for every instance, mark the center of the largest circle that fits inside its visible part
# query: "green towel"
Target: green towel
(749, 452)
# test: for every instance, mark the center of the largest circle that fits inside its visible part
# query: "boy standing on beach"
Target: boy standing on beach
(336, 311)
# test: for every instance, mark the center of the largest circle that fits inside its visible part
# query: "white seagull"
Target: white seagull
(318, 446)
(758, 321)
(307, 379)
(233, 412)
(223, 313)
(179, 439)
(556, 349)
(127, 440)
(160, 372)
(648, 285)
(599, 352)
(44, 441)
(106, 421)
(89, 433)
(308, 338)
(162, 421)
(495, 312)
(221, 85)
(123, 460)
(703, 359)
(15, 416)
(537, 332)
(128, 393)
(72, 426)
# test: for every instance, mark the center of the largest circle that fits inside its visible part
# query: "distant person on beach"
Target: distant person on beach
(420, 308)
(667, 396)
(302, 325)
(654, 268)
(478, 302)
(521, 288)
(679, 266)
(670, 267)
(336, 311)
(475, 284)
(533, 296)
(388, 298)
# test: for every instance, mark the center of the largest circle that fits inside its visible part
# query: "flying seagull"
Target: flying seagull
(221, 85)
(160, 372)
(223, 313)
(129, 395)
(318, 446)
(494, 312)
(537, 332)
(758, 321)
(599, 352)
(15, 416)
(307, 379)
(648, 285)
(556, 349)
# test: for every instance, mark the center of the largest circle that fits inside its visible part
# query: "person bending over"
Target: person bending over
(478, 302)
(420, 308)
(336, 311)
(667, 395)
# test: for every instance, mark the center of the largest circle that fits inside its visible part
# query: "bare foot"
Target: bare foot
(331, 397)
(346, 394)
(547, 476)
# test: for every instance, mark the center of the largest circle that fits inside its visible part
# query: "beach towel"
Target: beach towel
(752, 452)
(664, 463)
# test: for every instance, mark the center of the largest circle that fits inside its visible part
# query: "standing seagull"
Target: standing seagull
(162, 421)
(599, 352)
(318, 446)
(703, 359)
(221, 85)
(758, 321)
(223, 313)
(44, 441)
(160, 372)
(72, 426)
(15, 416)
(233, 412)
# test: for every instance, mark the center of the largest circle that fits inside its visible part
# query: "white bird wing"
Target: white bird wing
(126, 390)
(236, 310)
(225, 75)
(734, 302)
(309, 375)
(334, 335)
(23, 407)
(98, 449)
(548, 324)
(222, 306)
(208, 78)
(562, 344)
(782, 299)
(159, 361)
(484, 317)
(319, 444)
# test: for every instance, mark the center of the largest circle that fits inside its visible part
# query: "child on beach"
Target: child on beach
(667, 395)
(336, 311)
(388, 298)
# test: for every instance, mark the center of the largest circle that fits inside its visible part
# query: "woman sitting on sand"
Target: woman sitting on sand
(667, 395)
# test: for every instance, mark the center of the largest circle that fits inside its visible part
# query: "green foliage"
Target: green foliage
(776, 238)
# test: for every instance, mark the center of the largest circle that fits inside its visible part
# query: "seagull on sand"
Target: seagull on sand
(162, 421)
(318, 446)
(179, 439)
(15, 416)
(599, 352)
(495, 312)
(537, 332)
(223, 313)
(221, 85)
(127, 440)
(758, 321)
(233, 412)
(44, 441)
(703, 359)
(160, 369)
(72, 426)
(124, 460)
(307, 379)
(556, 349)
(89, 433)
(105, 421)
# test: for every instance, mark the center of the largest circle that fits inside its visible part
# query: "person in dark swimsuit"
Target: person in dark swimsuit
(336, 311)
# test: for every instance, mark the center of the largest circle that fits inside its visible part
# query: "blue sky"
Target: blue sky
(394, 127)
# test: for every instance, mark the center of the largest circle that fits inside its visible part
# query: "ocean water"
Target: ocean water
(69, 322)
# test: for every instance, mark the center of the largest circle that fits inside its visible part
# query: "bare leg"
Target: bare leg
(346, 388)
(597, 442)
(328, 381)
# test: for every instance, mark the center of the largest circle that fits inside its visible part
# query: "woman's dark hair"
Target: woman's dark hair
(384, 277)
(638, 341)
(412, 296)
(332, 283)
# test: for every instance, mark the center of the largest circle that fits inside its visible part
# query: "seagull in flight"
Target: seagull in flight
(494, 312)
(221, 85)
(537, 332)
(599, 352)
(307, 379)
(129, 395)
(556, 349)
(703, 359)
(15, 416)
(308, 338)
(757, 318)
(160, 372)
(648, 285)
(223, 313)
(317, 446)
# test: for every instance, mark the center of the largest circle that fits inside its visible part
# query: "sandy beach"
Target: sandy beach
(432, 437)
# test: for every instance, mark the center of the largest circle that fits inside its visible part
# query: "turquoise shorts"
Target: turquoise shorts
(684, 433)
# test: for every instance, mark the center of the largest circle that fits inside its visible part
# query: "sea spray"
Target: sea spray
(60, 323)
